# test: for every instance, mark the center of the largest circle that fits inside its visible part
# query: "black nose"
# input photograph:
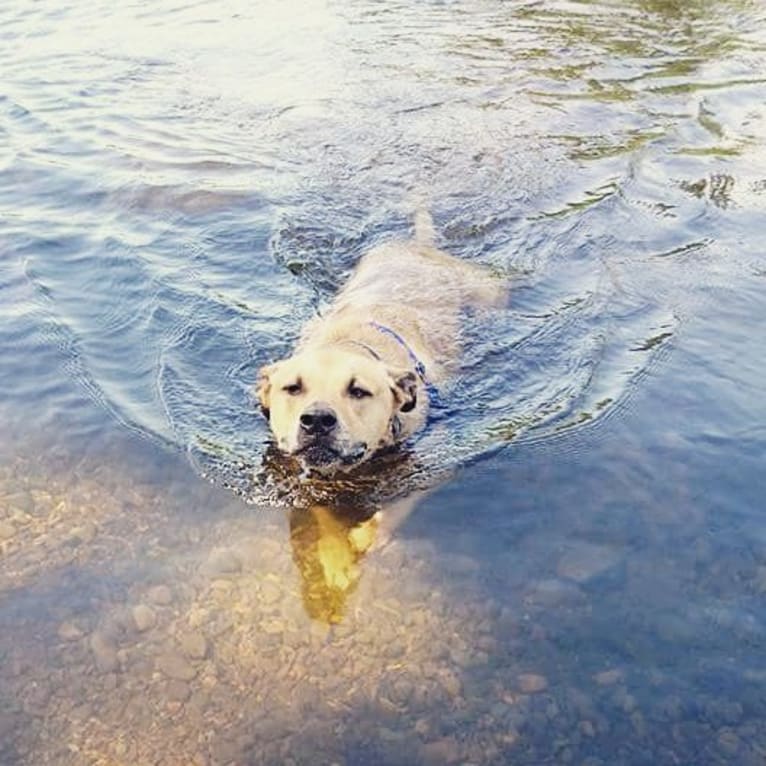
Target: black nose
(318, 421)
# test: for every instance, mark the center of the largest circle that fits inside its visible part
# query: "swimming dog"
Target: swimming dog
(358, 380)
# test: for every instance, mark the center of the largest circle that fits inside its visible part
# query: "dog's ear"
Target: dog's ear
(405, 389)
(263, 388)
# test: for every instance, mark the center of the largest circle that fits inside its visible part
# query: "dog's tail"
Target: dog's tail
(425, 234)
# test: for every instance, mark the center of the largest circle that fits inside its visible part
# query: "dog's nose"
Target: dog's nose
(318, 421)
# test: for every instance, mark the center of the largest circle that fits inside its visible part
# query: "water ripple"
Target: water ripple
(191, 200)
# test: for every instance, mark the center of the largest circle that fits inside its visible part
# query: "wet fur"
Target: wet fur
(417, 291)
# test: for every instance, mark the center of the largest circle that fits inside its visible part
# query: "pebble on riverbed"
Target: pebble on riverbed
(144, 617)
(532, 683)
(69, 631)
(193, 644)
(582, 561)
(176, 666)
(7, 530)
(104, 652)
(608, 677)
(161, 595)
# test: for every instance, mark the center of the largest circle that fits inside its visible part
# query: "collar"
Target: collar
(369, 349)
(420, 368)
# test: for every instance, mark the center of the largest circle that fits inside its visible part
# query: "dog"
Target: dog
(359, 379)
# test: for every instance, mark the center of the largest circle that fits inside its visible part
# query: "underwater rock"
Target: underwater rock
(176, 667)
(104, 652)
(144, 617)
(161, 595)
(532, 683)
(193, 644)
(582, 561)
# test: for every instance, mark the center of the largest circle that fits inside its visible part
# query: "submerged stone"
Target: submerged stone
(582, 561)
(176, 667)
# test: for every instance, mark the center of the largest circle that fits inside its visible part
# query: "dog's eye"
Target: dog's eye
(293, 389)
(357, 392)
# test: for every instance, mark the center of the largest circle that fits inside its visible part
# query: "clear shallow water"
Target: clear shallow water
(182, 186)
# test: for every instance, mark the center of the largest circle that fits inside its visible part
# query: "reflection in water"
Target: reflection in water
(335, 521)
(328, 545)
(393, 473)
(717, 188)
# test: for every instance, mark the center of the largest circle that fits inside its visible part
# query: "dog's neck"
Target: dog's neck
(420, 368)
(369, 349)
(377, 338)
(367, 337)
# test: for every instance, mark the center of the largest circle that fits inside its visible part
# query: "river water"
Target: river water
(567, 566)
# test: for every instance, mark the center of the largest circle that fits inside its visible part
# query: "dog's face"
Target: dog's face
(332, 408)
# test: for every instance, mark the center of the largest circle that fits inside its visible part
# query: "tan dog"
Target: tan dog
(359, 377)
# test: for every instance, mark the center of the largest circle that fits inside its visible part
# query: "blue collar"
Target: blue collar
(433, 394)
(420, 368)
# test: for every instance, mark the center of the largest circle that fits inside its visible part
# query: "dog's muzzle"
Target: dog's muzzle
(318, 422)
(317, 431)
(319, 442)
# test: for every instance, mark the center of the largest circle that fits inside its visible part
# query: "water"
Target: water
(571, 561)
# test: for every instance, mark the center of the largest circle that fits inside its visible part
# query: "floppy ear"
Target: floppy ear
(263, 387)
(405, 390)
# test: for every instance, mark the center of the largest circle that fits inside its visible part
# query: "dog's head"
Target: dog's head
(333, 408)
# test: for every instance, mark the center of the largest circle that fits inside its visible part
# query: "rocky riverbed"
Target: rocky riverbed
(147, 618)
